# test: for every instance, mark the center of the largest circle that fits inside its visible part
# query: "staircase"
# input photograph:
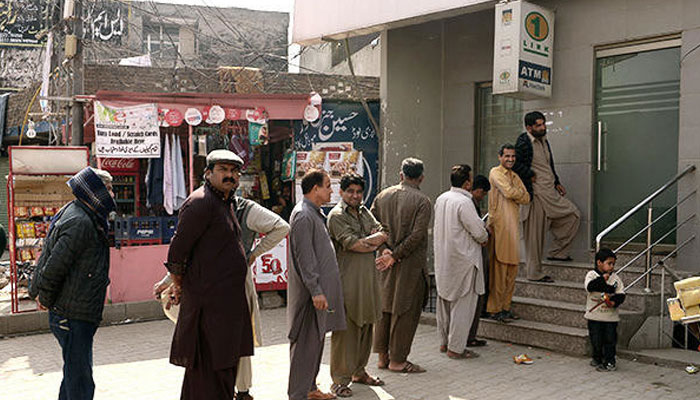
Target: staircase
(552, 313)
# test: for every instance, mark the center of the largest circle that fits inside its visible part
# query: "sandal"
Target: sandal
(476, 343)
(409, 368)
(368, 380)
(341, 390)
(466, 354)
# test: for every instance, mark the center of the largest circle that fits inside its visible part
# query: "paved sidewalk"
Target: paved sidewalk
(131, 363)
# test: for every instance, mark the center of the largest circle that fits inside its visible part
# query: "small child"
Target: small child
(603, 285)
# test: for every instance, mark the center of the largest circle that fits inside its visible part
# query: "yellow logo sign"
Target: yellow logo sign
(537, 26)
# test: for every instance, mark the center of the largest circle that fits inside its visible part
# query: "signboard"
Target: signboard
(23, 22)
(127, 132)
(120, 164)
(523, 50)
(343, 126)
(270, 270)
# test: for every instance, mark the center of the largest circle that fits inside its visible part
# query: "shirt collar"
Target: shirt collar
(461, 191)
(411, 185)
(219, 193)
(344, 206)
(532, 138)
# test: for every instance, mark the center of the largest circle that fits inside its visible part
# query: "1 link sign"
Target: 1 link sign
(523, 50)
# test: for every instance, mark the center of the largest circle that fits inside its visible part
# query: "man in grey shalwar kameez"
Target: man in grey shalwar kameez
(314, 292)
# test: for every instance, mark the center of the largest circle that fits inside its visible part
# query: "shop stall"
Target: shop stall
(36, 190)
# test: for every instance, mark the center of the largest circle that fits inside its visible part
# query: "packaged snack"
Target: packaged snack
(257, 134)
(37, 211)
(21, 212)
(25, 254)
(36, 253)
(49, 211)
(28, 230)
(41, 228)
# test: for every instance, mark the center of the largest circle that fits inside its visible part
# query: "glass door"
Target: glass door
(636, 143)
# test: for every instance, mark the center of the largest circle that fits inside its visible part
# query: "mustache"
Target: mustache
(229, 180)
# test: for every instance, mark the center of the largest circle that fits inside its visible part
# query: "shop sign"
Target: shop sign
(173, 117)
(193, 116)
(523, 50)
(120, 164)
(216, 114)
(128, 132)
(23, 23)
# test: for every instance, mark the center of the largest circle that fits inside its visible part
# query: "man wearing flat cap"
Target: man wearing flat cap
(208, 267)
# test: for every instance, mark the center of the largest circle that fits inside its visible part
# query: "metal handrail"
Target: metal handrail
(659, 240)
(665, 213)
(660, 262)
(641, 204)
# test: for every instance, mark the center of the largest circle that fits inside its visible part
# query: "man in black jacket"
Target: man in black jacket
(534, 164)
(72, 275)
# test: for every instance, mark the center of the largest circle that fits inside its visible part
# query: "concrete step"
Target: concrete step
(557, 312)
(576, 272)
(574, 292)
(671, 358)
(558, 338)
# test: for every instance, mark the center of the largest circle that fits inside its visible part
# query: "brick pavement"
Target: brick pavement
(131, 363)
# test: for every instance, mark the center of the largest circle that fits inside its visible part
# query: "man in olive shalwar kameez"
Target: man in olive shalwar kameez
(314, 292)
(208, 267)
(506, 195)
(404, 212)
(356, 236)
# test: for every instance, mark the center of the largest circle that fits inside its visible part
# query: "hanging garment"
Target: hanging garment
(154, 182)
(179, 188)
(167, 178)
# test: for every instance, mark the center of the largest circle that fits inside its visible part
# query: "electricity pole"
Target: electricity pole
(77, 64)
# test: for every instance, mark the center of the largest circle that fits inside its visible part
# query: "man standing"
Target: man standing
(72, 275)
(507, 193)
(254, 220)
(458, 235)
(479, 190)
(208, 267)
(404, 213)
(314, 292)
(356, 236)
(535, 166)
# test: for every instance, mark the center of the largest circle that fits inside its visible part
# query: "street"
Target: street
(131, 362)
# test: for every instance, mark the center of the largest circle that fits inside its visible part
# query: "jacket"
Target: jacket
(523, 161)
(72, 274)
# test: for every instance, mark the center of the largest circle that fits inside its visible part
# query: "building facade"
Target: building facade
(621, 117)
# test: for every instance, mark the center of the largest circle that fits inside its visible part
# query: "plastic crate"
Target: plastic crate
(137, 228)
(168, 226)
(142, 242)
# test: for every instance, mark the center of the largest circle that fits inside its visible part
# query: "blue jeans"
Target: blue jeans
(75, 338)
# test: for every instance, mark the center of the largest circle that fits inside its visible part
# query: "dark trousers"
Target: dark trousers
(202, 381)
(483, 299)
(603, 340)
(75, 338)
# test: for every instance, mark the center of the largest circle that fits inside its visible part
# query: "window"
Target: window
(161, 41)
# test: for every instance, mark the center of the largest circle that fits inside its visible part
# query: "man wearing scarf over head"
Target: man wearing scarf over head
(208, 267)
(72, 275)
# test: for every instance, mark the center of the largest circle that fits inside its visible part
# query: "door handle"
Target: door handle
(600, 144)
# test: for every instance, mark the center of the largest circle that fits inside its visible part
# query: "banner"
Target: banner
(127, 132)
(23, 22)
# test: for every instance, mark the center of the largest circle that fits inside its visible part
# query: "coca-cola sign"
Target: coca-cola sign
(120, 164)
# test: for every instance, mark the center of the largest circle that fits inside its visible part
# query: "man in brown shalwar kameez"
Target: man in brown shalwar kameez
(404, 212)
(356, 236)
(549, 208)
(208, 267)
(506, 195)
(314, 292)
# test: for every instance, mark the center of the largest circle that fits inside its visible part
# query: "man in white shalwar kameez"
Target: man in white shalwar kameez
(459, 272)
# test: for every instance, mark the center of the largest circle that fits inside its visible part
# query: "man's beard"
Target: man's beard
(538, 134)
